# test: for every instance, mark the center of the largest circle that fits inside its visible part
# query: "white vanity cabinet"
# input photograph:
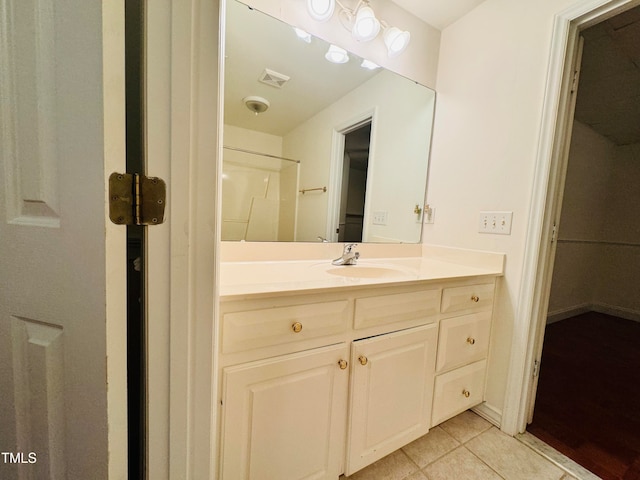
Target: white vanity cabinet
(284, 417)
(313, 385)
(391, 393)
(463, 346)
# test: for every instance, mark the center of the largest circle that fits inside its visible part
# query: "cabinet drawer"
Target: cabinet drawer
(400, 307)
(470, 297)
(463, 340)
(273, 326)
(458, 390)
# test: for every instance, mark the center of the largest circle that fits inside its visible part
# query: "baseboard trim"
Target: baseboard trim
(621, 312)
(489, 413)
(626, 313)
(569, 312)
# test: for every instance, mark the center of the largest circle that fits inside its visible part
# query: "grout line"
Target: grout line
(485, 463)
(411, 460)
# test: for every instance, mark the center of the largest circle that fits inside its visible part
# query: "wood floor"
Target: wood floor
(588, 400)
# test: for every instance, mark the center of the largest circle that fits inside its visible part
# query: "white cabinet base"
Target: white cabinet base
(284, 418)
(391, 393)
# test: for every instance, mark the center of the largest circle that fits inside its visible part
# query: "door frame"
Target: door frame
(183, 129)
(557, 117)
(337, 163)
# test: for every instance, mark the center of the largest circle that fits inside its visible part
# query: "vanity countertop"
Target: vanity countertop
(240, 278)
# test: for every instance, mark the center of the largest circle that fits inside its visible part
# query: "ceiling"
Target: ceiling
(259, 42)
(609, 89)
(438, 13)
(264, 42)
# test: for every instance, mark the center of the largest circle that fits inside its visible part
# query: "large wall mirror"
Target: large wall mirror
(316, 150)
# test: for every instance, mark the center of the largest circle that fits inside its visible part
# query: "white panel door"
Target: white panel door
(391, 393)
(284, 418)
(62, 263)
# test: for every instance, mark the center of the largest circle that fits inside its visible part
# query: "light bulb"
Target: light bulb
(365, 26)
(321, 10)
(302, 35)
(396, 40)
(369, 65)
(336, 54)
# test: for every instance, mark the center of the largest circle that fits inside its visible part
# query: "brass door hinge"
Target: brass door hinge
(136, 200)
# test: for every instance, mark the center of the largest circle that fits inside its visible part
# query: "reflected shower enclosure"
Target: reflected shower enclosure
(258, 196)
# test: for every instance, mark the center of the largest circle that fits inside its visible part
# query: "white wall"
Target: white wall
(400, 141)
(582, 222)
(491, 81)
(620, 268)
(418, 62)
(258, 192)
(597, 263)
(288, 202)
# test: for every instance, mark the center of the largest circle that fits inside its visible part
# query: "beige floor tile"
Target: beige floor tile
(460, 464)
(430, 447)
(395, 466)
(416, 476)
(465, 426)
(511, 459)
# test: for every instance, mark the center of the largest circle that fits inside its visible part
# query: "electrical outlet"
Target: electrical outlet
(379, 218)
(495, 222)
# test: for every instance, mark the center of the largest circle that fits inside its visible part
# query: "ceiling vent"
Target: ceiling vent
(272, 78)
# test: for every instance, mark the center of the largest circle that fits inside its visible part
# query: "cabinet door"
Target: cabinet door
(391, 393)
(284, 418)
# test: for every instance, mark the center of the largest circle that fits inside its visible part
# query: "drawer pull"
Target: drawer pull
(343, 364)
(475, 298)
(471, 340)
(296, 327)
(363, 360)
(466, 393)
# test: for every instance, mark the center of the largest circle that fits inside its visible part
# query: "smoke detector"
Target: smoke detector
(256, 104)
(273, 78)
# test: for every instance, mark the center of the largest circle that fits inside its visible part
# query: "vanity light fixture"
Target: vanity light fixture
(336, 54)
(365, 24)
(362, 22)
(321, 10)
(396, 40)
(369, 65)
(303, 35)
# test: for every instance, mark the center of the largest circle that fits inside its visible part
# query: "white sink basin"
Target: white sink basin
(368, 271)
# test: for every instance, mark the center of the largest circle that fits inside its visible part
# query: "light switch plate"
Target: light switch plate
(379, 218)
(498, 223)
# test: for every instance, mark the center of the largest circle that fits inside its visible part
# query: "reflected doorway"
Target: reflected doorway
(355, 168)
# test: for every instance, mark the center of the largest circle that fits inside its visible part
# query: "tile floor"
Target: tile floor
(467, 447)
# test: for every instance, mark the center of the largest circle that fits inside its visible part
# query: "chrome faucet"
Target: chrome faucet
(348, 257)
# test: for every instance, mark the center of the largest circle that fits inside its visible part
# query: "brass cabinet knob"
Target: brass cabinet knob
(343, 364)
(297, 327)
(363, 360)
(466, 393)
(475, 298)
(471, 340)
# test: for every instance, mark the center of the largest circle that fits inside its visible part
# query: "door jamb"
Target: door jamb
(184, 126)
(533, 295)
